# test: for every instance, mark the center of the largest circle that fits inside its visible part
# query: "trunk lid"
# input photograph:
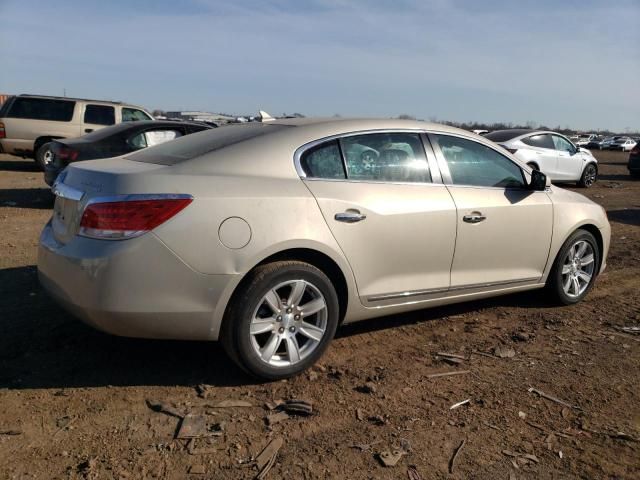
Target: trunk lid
(82, 181)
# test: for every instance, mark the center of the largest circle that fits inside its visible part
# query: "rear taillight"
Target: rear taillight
(3, 133)
(116, 220)
(67, 154)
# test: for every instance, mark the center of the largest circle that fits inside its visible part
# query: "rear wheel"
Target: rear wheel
(575, 268)
(282, 320)
(589, 176)
(44, 155)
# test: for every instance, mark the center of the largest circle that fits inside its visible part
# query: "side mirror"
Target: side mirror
(538, 181)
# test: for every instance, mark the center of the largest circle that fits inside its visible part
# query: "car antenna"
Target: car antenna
(265, 117)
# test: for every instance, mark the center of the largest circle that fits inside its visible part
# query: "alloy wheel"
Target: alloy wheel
(289, 323)
(578, 269)
(590, 175)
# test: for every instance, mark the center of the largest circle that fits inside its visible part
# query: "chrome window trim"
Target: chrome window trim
(297, 156)
(444, 166)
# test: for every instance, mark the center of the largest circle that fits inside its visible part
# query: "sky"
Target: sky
(571, 63)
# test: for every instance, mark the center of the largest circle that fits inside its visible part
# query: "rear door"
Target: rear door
(384, 202)
(96, 116)
(544, 153)
(503, 228)
(569, 166)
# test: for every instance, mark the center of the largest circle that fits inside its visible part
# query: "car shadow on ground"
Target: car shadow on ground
(40, 198)
(19, 165)
(629, 216)
(614, 178)
(41, 346)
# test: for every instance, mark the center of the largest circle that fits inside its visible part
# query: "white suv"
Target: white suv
(29, 122)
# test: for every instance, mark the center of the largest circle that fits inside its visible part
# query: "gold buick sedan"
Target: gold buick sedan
(268, 235)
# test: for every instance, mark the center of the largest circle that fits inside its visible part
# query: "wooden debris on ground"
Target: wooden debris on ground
(446, 374)
(552, 398)
(452, 462)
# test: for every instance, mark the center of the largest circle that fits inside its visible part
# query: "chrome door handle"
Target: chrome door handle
(350, 216)
(475, 217)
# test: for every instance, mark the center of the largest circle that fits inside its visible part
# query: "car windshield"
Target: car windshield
(192, 146)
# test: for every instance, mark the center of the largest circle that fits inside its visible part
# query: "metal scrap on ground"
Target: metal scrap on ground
(162, 407)
(459, 404)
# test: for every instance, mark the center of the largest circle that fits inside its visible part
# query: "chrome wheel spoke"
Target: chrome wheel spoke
(586, 260)
(576, 285)
(584, 276)
(270, 347)
(272, 299)
(296, 292)
(314, 306)
(261, 325)
(293, 349)
(567, 284)
(311, 331)
(582, 247)
(566, 269)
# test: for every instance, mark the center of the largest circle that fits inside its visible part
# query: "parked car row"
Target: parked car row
(619, 142)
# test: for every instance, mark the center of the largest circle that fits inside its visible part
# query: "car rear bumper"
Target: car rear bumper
(134, 288)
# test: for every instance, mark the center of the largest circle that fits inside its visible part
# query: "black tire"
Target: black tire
(41, 153)
(236, 337)
(589, 176)
(555, 281)
(533, 166)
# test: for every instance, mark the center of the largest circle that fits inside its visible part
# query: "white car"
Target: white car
(550, 152)
(624, 144)
(583, 140)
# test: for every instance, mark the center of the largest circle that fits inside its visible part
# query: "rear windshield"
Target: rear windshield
(504, 135)
(42, 109)
(192, 146)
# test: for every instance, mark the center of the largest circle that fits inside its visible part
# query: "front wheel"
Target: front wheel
(575, 268)
(282, 319)
(589, 176)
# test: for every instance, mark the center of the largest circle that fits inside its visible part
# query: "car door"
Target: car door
(383, 200)
(503, 228)
(569, 165)
(97, 116)
(544, 153)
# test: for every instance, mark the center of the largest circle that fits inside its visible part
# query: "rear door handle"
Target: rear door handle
(474, 217)
(88, 130)
(350, 216)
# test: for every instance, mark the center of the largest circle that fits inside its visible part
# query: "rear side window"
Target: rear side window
(323, 161)
(541, 141)
(471, 163)
(192, 146)
(386, 157)
(153, 137)
(100, 114)
(133, 115)
(42, 109)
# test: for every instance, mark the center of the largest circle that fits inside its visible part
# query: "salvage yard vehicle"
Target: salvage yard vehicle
(634, 161)
(551, 153)
(115, 141)
(28, 123)
(267, 236)
(624, 144)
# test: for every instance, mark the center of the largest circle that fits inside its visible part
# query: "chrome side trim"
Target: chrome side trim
(416, 293)
(65, 191)
(138, 196)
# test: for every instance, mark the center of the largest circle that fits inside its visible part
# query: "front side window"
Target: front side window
(471, 163)
(42, 109)
(153, 137)
(386, 157)
(133, 115)
(542, 140)
(99, 115)
(323, 161)
(562, 144)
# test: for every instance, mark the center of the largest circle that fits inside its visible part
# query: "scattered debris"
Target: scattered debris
(87, 466)
(273, 405)
(630, 330)
(267, 457)
(446, 374)
(520, 337)
(195, 426)
(412, 473)
(484, 354)
(451, 358)
(359, 414)
(526, 456)
(193, 450)
(377, 420)
(368, 387)
(232, 404)
(365, 447)
(197, 470)
(552, 398)
(502, 351)
(390, 459)
(459, 404)
(522, 415)
(452, 462)
(296, 407)
(11, 432)
(162, 407)
(274, 418)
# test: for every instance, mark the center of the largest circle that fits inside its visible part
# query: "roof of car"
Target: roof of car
(115, 102)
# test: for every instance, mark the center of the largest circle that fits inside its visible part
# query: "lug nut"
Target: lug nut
(292, 329)
(289, 310)
(281, 330)
(297, 317)
(279, 318)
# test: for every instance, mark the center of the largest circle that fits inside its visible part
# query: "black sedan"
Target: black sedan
(114, 141)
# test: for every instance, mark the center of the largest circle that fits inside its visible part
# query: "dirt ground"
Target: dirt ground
(73, 400)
